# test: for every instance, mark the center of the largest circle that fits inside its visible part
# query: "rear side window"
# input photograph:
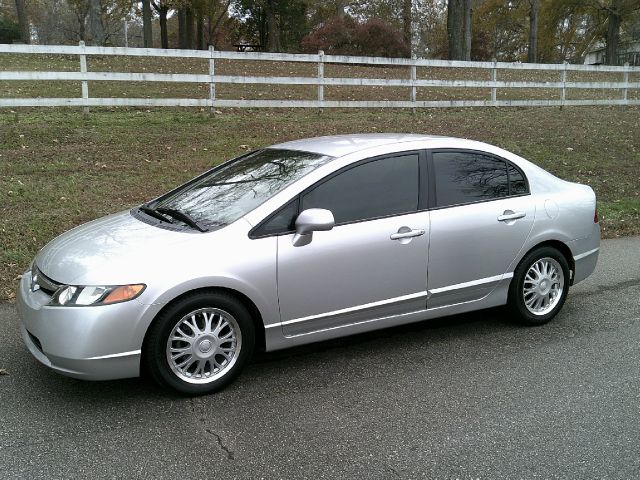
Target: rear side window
(378, 188)
(517, 183)
(468, 177)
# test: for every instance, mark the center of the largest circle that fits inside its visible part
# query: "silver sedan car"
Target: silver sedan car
(301, 242)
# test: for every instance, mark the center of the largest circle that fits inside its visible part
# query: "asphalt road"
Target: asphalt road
(470, 396)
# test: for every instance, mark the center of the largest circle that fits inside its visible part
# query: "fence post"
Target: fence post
(85, 84)
(320, 78)
(414, 76)
(212, 80)
(625, 79)
(494, 78)
(563, 93)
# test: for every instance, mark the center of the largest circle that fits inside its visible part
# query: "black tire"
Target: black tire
(516, 303)
(226, 307)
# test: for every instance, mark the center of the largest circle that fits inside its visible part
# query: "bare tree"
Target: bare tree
(532, 51)
(613, 32)
(454, 27)
(407, 19)
(182, 28)
(147, 29)
(459, 29)
(466, 25)
(95, 22)
(273, 26)
(161, 7)
(23, 22)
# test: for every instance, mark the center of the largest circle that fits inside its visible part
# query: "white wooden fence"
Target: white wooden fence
(411, 81)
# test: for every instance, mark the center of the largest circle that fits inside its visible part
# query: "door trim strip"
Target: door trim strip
(343, 311)
(473, 283)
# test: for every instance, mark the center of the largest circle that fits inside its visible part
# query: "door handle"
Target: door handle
(511, 215)
(406, 234)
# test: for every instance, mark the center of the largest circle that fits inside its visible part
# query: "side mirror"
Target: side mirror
(309, 221)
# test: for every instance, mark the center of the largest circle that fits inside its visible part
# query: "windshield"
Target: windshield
(237, 187)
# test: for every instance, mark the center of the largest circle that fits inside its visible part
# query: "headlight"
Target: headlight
(72, 295)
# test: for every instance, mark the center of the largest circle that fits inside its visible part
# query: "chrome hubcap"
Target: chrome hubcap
(543, 286)
(204, 345)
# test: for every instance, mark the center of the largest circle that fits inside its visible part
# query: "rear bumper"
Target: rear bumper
(91, 343)
(585, 255)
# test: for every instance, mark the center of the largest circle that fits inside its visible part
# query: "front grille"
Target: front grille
(43, 282)
(35, 341)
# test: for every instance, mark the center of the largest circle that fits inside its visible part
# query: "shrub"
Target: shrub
(345, 36)
(377, 38)
(9, 31)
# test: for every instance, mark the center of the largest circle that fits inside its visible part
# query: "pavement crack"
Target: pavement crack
(394, 471)
(230, 454)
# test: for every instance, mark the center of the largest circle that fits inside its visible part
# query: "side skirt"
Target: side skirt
(275, 340)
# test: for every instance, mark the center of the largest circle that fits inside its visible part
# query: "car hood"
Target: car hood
(115, 249)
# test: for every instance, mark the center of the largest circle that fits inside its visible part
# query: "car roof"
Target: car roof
(339, 145)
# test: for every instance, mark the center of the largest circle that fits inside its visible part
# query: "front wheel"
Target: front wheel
(539, 287)
(199, 344)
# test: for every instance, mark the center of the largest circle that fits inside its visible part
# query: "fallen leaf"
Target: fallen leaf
(3, 371)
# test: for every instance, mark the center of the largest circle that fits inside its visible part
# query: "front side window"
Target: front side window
(467, 177)
(378, 188)
(233, 190)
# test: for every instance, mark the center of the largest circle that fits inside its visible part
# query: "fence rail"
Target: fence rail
(212, 79)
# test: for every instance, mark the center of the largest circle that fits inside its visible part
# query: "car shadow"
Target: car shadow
(496, 319)
(282, 363)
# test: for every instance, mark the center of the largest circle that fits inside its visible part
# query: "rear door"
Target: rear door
(481, 218)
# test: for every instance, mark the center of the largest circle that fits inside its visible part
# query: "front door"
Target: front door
(372, 264)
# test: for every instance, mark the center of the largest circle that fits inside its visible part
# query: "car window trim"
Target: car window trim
(432, 178)
(423, 170)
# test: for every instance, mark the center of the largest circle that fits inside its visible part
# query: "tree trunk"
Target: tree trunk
(23, 22)
(189, 33)
(340, 8)
(532, 52)
(182, 29)
(455, 29)
(82, 20)
(200, 31)
(164, 35)
(613, 32)
(407, 19)
(273, 27)
(147, 31)
(466, 25)
(95, 22)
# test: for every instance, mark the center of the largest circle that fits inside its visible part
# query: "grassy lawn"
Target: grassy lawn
(58, 169)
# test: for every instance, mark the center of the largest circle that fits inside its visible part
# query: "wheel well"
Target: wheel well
(562, 248)
(256, 317)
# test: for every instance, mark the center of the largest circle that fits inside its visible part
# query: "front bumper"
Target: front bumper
(91, 343)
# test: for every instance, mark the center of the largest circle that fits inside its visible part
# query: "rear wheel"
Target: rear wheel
(540, 286)
(199, 344)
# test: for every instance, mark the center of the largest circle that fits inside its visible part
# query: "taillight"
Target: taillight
(596, 219)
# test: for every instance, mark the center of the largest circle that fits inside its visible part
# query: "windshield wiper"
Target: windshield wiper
(154, 213)
(183, 217)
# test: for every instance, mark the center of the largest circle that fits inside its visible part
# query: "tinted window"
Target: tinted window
(464, 177)
(517, 182)
(283, 221)
(375, 189)
(227, 193)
